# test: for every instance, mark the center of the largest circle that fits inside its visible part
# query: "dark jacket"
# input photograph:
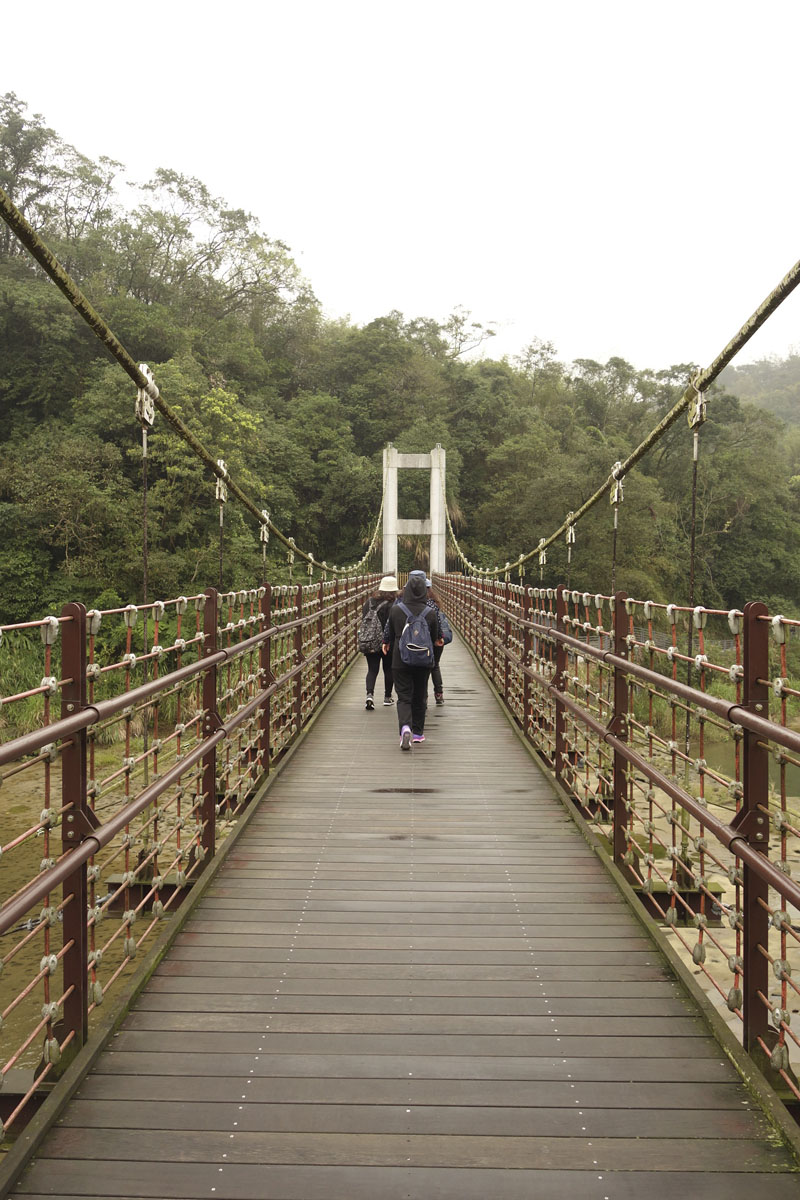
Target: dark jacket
(437, 650)
(382, 603)
(415, 598)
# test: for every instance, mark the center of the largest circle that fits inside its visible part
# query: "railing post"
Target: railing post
(300, 658)
(493, 641)
(506, 647)
(320, 642)
(475, 614)
(558, 681)
(208, 810)
(351, 626)
(752, 821)
(77, 824)
(527, 653)
(336, 630)
(267, 678)
(486, 615)
(619, 725)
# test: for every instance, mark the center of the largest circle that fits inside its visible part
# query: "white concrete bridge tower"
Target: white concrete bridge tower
(435, 525)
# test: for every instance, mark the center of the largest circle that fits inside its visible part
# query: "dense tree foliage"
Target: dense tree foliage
(771, 383)
(300, 406)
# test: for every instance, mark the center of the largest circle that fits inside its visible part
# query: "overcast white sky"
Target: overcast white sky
(617, 176)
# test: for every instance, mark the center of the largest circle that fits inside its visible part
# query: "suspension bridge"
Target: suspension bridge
(251, 950)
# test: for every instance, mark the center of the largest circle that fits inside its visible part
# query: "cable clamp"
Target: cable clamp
(696, 413)
(221, 488)
(145, 398)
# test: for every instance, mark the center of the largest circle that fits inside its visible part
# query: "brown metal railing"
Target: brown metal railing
(152, 728)
(681, 778)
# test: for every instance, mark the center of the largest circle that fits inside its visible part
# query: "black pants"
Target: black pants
(411, 685)
(373, 670)
(436, 673)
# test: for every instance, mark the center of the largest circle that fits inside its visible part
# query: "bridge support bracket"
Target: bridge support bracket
(79, 825)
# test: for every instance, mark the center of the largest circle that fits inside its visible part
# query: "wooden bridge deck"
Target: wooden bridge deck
(412, 978)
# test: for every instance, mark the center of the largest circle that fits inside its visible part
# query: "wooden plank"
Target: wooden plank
(449, 1120)
(661, 1042)
(203, 1026)
(579, 993)
(182, 1181)
(674, 1065)
(433, 924)
(474, 893)
(522, 1094)
(364, 1149)
(273, 999)
(415, 939)
(411, 905)
(368, 969)
(190, 949)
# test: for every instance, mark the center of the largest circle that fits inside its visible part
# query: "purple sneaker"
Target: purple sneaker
(418, 737)
(405, 738)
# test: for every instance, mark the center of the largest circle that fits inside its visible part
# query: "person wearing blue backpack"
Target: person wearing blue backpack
(412, 632)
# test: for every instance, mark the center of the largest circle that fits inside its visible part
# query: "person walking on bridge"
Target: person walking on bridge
(436, 674)
(412, 632)
(374, 616)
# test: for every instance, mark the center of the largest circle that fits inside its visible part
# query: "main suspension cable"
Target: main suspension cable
(698, 385)
(30, 239)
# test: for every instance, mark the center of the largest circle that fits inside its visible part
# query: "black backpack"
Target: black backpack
(416, 644)
(370, 632)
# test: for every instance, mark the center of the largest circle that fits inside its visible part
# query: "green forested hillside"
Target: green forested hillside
(300, 406)
(771, 383)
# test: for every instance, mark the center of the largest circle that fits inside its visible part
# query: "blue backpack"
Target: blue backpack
(416, 644)
(444, 625)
